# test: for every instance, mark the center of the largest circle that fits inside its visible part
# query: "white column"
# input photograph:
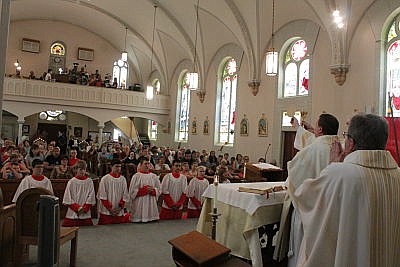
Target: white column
(4, 24)
(101, 126)
(20, 124)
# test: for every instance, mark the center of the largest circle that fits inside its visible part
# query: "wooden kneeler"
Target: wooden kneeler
(196, 250)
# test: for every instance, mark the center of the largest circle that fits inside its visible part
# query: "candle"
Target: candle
(244, 171)
(215, 192)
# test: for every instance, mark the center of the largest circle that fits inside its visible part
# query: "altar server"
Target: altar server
(36, 180)
(308, 163)
(79, 196)
(196, 188)
(350, 213)
(144, 191)
(112, 196)
(173, 190)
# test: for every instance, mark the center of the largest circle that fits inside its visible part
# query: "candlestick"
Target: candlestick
(244, 171)
(215, 192)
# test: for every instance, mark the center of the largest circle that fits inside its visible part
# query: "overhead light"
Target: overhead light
(150, 88)
(16, 63)
(19, 67)
(337, 19)
(124, 55)
(271, 57)
(194, 76)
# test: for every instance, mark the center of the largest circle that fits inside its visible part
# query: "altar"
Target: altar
(241, 215)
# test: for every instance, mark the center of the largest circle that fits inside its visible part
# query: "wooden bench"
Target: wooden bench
(7, 233)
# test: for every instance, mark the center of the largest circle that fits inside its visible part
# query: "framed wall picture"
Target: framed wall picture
(85, 54)
(194, 126)
(30, 45)
(78, 132)
(25, 129)
(206, 126)
(263, 126)
(244, 126)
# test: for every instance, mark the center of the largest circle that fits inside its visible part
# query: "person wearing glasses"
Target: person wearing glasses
(308, 163)
(174, 191)
(350, 212)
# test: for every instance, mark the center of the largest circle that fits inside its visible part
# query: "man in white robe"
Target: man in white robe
(308, 163)
(144, 191)
(350, 213)
(36, 180)
(112, 196)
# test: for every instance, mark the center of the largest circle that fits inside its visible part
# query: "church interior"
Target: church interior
(224, 76)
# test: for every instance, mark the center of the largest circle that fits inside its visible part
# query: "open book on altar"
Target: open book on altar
(265, 166)
(262, 191)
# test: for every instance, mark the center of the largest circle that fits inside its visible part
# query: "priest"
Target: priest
(350, 213)
(308, 163)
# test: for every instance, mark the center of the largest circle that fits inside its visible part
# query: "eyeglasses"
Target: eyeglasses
(346, 134)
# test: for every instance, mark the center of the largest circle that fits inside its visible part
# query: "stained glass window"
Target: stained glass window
(286, 118)
(53, 115)
(57, 49)
(152, 130)
(120, 72)
(393, 69)
(227, 103)
(296, 70)
(183, 105)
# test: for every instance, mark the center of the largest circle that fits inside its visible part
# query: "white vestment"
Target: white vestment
(112, 189)
(175, 187)
(303, 138)
(308, 163)
(28, 182)
(144, 208)
(350, 213)
(80, 192)
(196, 189)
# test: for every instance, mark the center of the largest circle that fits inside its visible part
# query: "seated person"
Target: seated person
(15, 158)
(161, 165)
(37, 179)
(61, 171)
(73, 157)
(53, 159)
(12, 172)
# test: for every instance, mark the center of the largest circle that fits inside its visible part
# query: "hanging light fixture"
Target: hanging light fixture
(150, 88)
(124, 55)
(271, 58)
(194, 76)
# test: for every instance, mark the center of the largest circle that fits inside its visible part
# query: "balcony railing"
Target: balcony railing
(26, 90)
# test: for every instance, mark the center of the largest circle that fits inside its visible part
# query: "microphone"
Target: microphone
(266, 152)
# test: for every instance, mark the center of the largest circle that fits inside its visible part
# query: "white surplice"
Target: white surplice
(350, 213)
(196, 189)
(80, 192)
(303, 138)
(112, 189)
(144, 208)
(28, 182)
(308, 163)
(175, 187)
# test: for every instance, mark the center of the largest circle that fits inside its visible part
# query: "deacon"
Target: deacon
(36, 180)
(350, 213)
(144, 191)
(79, 197)
(196, 188)
(173, 190)
(308, 163)
(112, 196)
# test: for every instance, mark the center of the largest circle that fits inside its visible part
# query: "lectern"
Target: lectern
(196, 250)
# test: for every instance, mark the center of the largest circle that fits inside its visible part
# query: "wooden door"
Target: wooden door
(288, 149)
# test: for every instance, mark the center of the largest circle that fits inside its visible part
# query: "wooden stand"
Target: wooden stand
(255, 174)
(194, 250)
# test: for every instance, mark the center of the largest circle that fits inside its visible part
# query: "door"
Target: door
(288, 149)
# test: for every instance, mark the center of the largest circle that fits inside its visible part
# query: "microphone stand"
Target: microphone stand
(266, 152)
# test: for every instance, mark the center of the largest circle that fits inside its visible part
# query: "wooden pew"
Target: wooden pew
(7, 233)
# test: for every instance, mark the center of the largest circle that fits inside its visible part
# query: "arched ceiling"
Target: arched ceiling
(246, 23)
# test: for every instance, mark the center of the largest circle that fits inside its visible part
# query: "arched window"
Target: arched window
(393, 68)
(226, 103)
(296, 69)
(120, 72)
(183, 106)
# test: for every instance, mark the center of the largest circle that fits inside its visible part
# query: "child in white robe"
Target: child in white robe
(79, 196)
(144, 191)
(195, 190)
(173, 189)
(36, 180)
